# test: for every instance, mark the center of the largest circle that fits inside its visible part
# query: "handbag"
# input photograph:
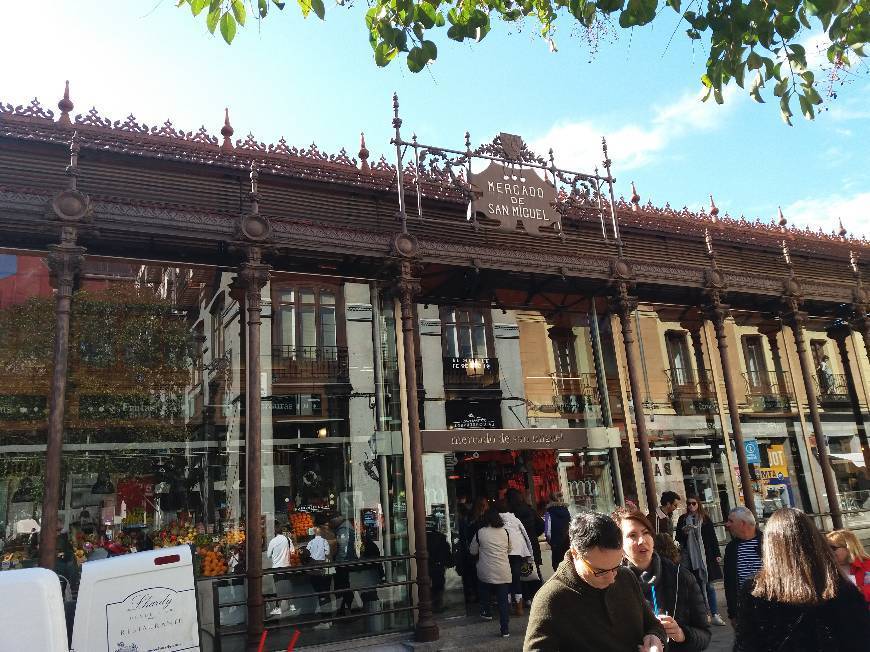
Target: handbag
(529, 569)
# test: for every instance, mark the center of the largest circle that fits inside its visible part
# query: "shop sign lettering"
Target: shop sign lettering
(20, 407)
(505, 439)
(513, 194)
(153, 619)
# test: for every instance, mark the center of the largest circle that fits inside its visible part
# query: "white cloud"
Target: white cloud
(577, 144)
(825, 212)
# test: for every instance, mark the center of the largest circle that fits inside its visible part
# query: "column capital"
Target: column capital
(65, 263)
(621, 300)
(716, 310)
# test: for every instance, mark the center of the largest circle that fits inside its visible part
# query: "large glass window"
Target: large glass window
(465, 333)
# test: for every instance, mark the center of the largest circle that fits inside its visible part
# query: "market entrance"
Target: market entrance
(479, 466)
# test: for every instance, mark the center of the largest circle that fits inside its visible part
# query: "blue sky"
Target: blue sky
(312, 81)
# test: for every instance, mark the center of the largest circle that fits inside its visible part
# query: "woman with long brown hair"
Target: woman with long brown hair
(799, 601)
(700, 552)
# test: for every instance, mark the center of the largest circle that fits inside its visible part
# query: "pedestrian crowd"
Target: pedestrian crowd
(630, 581)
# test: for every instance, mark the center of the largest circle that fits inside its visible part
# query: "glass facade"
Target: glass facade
(154, 435)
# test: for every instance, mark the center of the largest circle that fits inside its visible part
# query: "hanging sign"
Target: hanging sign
(753, 454)
(512, 194)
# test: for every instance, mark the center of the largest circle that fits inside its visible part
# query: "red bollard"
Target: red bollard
(262, 641)
(293, 640)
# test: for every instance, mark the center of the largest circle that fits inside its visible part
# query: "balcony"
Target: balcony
(832, 390)
(769, 391)
(471, 373)
(575, 394)
(322, 364)
(688, 396)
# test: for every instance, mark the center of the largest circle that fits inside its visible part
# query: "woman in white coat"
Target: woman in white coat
(491, 544)
(520, 551)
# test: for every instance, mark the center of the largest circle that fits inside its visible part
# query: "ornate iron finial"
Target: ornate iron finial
(606, 161)
(714, 210)
(254, 195)
(853, 263)
(552, 158)
(708, 240)
(635, 198)
(842, 232)
(72, 170)
(65, 105)
(227, 132)
(363, 153)
(467, 141)
(782, 221)
(397, 121)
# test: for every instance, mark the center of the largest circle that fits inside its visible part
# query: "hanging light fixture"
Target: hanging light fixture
(103, 485)
(24, 493)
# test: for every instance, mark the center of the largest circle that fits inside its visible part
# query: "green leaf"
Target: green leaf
(780, 88)
(228, 27)
(426, 14)
(263, 6)
(212, 19)
(739, 73)
(305, 6)
(753, 61)
(456, 32)
(239, 12)
(786, 25)
(806, 107)
(319, 9)
(439, 20)
(196, 6)
(384, 54)
(784, 109)
(674, 4)
(430, 50)
(609, 6)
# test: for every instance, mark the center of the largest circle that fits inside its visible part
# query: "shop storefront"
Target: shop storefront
(154, 451)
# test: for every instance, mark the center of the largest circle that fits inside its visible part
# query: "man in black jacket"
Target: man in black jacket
(742, 555)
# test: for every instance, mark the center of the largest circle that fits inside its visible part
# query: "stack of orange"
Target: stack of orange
(213, 563)
(300, 522)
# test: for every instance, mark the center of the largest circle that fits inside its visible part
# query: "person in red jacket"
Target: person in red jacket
(852, 559)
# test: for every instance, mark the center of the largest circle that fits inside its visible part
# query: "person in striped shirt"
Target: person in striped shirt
(742, 555)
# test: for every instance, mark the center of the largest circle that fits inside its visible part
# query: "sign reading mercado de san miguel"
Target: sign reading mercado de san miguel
(511, 193)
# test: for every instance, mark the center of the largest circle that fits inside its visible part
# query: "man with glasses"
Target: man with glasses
(593, 603)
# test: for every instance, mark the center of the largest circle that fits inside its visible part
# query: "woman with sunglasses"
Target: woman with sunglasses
(700, 552)
(852, 559)
(670, 589)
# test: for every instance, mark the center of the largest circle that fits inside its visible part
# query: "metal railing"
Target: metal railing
(769, 391)
(326, 363)
(690, 396)
(575, 394)
(831, 388)
(477, 373)
(317, 584)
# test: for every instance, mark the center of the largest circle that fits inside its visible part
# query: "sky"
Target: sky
(316, 82)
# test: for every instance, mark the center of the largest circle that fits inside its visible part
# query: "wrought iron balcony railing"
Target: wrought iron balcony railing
(575, 394)
(769, 391)
(473, 373)
(689, 395)
(832, 389)
(319, 363)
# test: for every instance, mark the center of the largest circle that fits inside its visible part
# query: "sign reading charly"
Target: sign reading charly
(511, 194)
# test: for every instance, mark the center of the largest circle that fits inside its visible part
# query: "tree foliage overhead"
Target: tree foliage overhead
(752, 43)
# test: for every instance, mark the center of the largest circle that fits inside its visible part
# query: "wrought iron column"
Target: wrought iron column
(716, 311)
(794, 318)
(604, 397)
(71, 208)
(624, 304)
(408, 286)
(840, 332)
(771, 331)
(253, 276)
(253, 232)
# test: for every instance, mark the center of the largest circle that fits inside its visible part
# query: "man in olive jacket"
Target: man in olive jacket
(592, 603)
